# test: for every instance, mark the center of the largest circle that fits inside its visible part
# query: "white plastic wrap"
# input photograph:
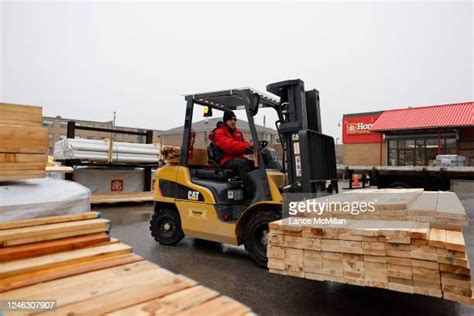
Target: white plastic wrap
(42, 197)
(100, 180)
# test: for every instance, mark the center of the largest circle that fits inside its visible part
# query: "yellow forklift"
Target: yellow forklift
(209, 202)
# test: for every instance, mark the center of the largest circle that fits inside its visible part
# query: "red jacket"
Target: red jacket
(232, 144)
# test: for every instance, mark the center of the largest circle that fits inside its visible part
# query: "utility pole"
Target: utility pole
(113, 125)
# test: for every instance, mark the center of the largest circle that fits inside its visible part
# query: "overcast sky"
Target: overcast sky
(86, 60)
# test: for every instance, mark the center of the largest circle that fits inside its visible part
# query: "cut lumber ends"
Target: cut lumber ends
(405, 256)
(23, 142)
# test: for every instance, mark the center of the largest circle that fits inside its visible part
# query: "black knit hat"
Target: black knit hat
(228, 114)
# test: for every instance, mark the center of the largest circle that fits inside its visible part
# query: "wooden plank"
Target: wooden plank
(437, 238)
(94, 264)
(222, 305)
(28, 232)
(19, 166)
(449, 207)
(21, 115)
(420, 231)
(48, 247)
(79, 232)
(58, 259)
(11, 175)
(66, 287)
(424, 205)
(458, 298)
(109, 198)
(170, 304)
(146, 286)
(23, 139)
(25, 158)
(425, 264)
(454, 269)
(47, 220)
(455, 241)
(60, 169)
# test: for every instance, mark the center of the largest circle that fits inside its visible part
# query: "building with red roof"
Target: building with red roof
(410, 136)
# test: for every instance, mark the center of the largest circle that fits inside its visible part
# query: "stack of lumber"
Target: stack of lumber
(405, 256)
(171, 154)
(71, 259)
(197, 157)
(23, 142)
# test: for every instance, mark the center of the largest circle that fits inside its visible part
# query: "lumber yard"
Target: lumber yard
(409, 241)
(158, 159)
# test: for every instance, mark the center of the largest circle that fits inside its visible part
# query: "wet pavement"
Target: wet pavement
(229, 270)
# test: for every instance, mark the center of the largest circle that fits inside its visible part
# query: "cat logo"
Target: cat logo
(193, 195)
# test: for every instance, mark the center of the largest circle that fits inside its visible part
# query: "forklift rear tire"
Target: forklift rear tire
(256, 237)
(165, 226)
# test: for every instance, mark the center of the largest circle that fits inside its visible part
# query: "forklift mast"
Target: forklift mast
(309, 154)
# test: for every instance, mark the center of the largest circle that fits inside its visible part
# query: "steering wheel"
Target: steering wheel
(263, 143)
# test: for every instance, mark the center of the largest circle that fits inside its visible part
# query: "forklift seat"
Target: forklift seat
(215, 171)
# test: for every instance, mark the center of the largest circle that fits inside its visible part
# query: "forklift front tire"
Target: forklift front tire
(165, 226)
(256, 237)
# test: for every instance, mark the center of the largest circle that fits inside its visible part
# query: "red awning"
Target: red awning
(449, 115)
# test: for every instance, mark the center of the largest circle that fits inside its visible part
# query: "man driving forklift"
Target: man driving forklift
(207, 203)
(228, 139)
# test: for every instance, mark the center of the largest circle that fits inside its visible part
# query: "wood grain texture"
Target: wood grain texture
(54, 260)
(47, 220)
(55, 228)
(68, 270)
(23, 142)
(48, 247)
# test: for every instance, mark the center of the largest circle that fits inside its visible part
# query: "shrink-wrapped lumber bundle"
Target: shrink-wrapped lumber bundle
(401, 255)
(23, 142)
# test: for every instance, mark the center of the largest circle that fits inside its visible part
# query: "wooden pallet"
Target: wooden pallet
(403, 256)
(23, 142)
(121, 197)
(93, 274)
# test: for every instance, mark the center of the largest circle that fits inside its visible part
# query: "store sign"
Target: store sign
(358, 128)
